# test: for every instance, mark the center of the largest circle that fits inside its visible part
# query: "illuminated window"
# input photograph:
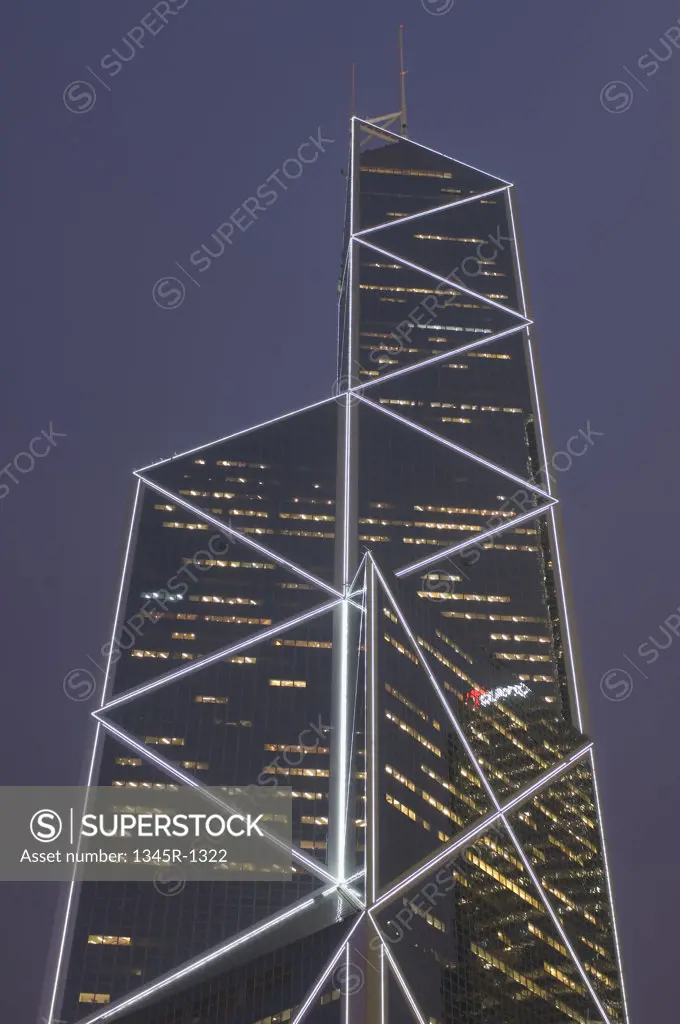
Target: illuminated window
(411, 706)
(522, 657)
(303, 643)
(94, 997)
(297, 748)
(109, 940)
(210, 700)
(130, 761)
(228, 565)
(413, 733)
(200, 766)
(298, 684)
(183, 636)
(165, 741)
(317, 534)
(186, 526)
(408, 173)
(217, 599)
(240, 619)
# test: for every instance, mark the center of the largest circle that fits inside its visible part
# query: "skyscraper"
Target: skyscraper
(363, 601)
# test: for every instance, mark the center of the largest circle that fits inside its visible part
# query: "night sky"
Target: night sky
(101, 204)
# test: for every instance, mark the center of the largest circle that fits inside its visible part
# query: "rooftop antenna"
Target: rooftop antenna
(352, 104)
(404, 131)
(387, 120)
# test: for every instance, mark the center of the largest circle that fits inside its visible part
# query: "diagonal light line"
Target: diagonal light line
(455, 284)
(439, 358)
(224, 652)
(447, 552)
(455, 447)
(610, 892)
(231, 437)
(449, 159)
(223, 528)
(470, 834)
(440, 693)
(398, 975)
(312, 865)
(249, 935)
(426, 213)
(555, 919)
(544, 453)
(328, 970)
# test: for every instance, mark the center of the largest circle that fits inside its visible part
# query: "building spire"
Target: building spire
(404, 130)
(352, 102)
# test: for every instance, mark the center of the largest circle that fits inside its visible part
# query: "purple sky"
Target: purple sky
(101, 204)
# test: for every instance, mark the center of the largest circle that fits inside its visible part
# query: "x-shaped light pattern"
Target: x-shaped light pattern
(354, 593)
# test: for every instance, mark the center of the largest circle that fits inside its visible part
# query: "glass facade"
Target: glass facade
(361, 601)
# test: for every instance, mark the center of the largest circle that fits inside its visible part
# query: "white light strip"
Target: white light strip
(455, 447)
(383, 987)
(398, 975)
(435, 209)
(555, 919)
(610, 891)
(442, 280)
(565, 619)
(482, 826)
(353, 878)
(348, 966)
(544, 455)
(224, 652)
(372, 731)
(447, 552)
(347, 496)
(313, 866)
(439, 358)
(328, 970)
(342, 739)
(230, 437)
(223, 528)
(194, 965)
(450, 159)
(440, 693)
(96, 742)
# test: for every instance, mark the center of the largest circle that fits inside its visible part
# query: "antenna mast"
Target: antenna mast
(404, 131)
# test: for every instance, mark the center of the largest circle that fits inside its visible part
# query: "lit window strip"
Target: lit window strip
(223, 528)
(257, 638)
(477, 539)
(313, 866)
(484, 299)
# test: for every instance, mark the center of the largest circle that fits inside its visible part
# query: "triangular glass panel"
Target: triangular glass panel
(275, 484)
(479, 399)
(259, 987)
(427, 787)
(450, 499)
(560, 834)
(474, 942)
(407, 316)
(399, 177)
(488, 634)
(260, 718)
(195, 915)
(470, 243)
(194, 590)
